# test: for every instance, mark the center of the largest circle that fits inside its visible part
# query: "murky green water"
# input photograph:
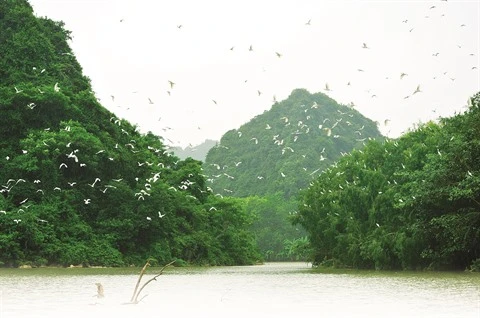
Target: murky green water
(270, 290)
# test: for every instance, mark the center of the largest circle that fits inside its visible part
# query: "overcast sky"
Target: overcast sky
(131, 49)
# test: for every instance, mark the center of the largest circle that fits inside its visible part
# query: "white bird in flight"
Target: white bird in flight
(93, 184)
(417, 90)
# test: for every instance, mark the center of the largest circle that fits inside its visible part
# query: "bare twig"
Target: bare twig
(135, 293)
(139, 279)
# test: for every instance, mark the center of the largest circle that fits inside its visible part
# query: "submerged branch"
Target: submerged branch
(135, 293)
(134, 296)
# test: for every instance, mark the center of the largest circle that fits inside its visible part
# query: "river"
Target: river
(269, 290)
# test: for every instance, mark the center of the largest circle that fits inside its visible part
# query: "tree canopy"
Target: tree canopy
(411, 203)
(269, 159)
(308, 179)
(81, 186)
(286, 147)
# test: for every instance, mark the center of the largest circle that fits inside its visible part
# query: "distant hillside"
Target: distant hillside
(286, 147)
(198, 152)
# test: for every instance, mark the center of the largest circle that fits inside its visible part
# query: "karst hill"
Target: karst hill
(286, 147)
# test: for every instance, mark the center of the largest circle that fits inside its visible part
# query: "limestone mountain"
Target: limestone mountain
(286, 147)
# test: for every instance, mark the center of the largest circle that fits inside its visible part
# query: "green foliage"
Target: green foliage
(271, 226)
(272, 157)
(79, 185)
(475, 266)
(284, 148)
(297, 249)
(411, 203)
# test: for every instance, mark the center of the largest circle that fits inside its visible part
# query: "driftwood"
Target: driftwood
(137, 291)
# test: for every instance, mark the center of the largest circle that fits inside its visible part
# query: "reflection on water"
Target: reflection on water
(270, 290)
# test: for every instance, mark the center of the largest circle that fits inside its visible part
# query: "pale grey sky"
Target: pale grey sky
(131, 49)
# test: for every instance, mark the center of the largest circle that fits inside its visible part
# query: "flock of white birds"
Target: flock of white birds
(202, 99)
(192, 71)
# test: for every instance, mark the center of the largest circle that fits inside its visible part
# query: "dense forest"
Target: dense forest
(81, 186)
(309, 179)
(286, 147)
(269, 159)
(411, 203)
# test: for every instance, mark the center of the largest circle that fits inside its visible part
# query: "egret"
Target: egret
(100, 291)
(417, 90)
(93, 184)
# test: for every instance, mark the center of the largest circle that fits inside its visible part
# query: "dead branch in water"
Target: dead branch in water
(137, 291)
(139, 279)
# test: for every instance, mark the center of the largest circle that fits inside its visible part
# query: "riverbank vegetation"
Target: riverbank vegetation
(309, 179)
(411, 203)
(81, 186)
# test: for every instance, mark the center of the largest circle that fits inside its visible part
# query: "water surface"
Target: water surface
(270, 290)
